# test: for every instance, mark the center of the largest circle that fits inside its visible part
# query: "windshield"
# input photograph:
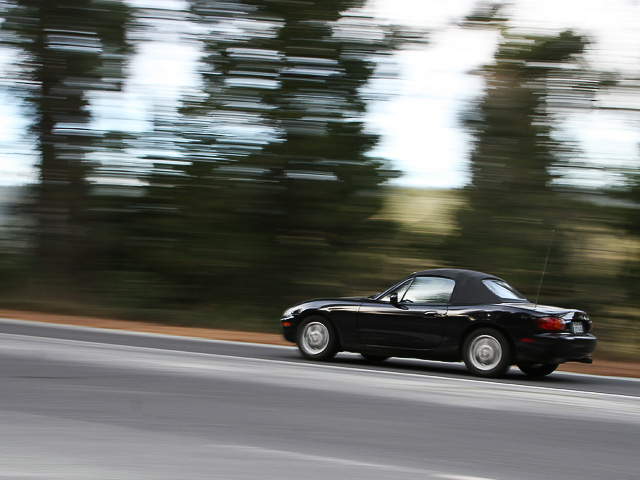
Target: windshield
(503, 290)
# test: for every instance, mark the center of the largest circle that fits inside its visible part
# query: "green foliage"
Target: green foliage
(630, 222)
(512, 208)
(67, 49)
(276, 191)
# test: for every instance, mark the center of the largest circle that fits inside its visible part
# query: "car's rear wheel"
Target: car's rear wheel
(374, 358)
(317, 339)
(537, 369)
(486, 353)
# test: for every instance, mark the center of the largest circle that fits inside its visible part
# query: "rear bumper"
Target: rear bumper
(555, 348)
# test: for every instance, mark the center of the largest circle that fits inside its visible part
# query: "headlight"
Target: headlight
(290, 312)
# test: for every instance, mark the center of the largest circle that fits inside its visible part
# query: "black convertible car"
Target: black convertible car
(448, 315)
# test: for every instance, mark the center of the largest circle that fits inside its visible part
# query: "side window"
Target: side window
(399, 290)
(429, 290)
(503, 290)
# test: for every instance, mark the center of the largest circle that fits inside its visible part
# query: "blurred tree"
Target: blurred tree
(276, 188)
(631, 223)
(633, 218)
(68, 48)
(511, 208)
(485, 14)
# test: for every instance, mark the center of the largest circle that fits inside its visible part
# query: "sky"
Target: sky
(425, 138)
(419, 124)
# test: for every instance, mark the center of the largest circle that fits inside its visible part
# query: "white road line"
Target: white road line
(324, 366)
(461, 477)
(320, 458)
(292, 455)
(405, 386)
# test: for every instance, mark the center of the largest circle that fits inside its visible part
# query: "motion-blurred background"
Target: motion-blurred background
(211, 162)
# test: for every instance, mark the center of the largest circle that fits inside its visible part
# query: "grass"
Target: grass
(422, 210)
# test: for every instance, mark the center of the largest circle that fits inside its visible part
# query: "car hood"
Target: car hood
(321, 302)
(334, 300)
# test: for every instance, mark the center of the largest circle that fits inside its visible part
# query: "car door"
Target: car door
(411, 317)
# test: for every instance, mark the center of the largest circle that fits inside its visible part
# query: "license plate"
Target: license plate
(578, 329)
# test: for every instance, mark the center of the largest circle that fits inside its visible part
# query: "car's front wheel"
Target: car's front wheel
(317, 339)
(537, 369)
(486, 353)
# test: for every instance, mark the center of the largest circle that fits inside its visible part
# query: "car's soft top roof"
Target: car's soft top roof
(469, 289)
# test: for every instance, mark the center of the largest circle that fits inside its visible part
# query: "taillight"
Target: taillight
(551, 324)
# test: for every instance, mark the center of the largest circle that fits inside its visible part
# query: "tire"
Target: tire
(487, 353)
(374, 358)
(317, 339)
(537, 369)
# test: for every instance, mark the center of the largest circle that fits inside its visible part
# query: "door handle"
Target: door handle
(431, 313)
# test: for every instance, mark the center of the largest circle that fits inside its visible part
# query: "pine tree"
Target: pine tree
(512, 208)
(67, 49)
(276, 186)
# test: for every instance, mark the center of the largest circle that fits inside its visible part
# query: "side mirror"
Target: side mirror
(394, 300)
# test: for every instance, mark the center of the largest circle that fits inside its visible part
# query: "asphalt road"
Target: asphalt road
(79, 403)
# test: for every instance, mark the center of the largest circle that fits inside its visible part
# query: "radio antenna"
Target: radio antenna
(544, 269)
